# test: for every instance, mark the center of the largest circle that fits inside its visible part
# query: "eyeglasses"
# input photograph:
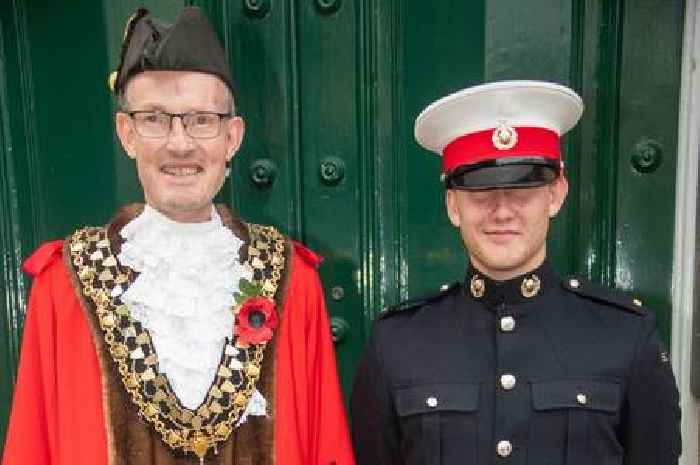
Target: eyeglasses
(197, 124)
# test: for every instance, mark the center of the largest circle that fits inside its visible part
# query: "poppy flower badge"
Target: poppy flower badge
(256, 315)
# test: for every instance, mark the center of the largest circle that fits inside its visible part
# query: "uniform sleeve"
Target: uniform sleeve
(651, 419)
(375, 432)
(31, 438)
(311, 425)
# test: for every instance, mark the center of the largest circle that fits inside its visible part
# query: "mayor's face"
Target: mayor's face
(180, 174)
(505, 230)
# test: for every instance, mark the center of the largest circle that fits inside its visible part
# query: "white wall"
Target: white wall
(684, 244)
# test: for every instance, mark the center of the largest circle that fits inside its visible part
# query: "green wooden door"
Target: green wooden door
(329, 90)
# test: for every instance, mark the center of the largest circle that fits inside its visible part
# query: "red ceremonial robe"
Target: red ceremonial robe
(58, 417)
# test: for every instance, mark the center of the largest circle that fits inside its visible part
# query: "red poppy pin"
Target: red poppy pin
(256, 316)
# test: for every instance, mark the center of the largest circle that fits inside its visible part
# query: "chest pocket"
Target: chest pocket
(438, 422)
(580, 418)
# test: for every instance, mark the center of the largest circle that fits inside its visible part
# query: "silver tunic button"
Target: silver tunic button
(504, 448)
(581, 399)
(431, 402)
(507, 324)
(508, 382)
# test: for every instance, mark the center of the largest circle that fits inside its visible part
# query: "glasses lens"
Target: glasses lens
(151, 124)
(202, 125)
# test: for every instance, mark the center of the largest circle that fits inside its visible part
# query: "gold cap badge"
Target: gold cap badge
(504, 137)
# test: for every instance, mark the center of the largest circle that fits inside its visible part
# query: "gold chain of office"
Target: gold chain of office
(103, 280)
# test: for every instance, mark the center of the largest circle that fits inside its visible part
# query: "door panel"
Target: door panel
(261, 44)
(646, 153)
(334, 150)
(442, 51)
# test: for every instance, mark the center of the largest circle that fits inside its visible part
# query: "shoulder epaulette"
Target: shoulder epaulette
(418, 302)
(602, 294)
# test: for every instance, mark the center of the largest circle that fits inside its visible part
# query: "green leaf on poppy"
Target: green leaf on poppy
(257, 289)
(249, 289)
(246, 287)
(239, 298)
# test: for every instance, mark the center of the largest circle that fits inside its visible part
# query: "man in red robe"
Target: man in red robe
(176, 334)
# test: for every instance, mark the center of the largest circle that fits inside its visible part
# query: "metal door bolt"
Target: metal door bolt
(646, 156)
(339, 328)
(257, 8)
(328, 6)
(263, 173)
(331, 171)
(337, 293)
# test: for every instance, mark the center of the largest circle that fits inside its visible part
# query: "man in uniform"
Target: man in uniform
(515, 365)
(176, 334)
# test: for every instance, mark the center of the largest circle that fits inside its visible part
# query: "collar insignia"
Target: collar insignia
(530, 286)
(477, 286)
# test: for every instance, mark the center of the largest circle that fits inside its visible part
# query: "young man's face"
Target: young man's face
(504, 230)
(180, 175)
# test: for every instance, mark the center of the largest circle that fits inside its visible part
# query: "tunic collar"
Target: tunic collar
(528, 287)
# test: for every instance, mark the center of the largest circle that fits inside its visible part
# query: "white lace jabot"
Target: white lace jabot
(183, 294)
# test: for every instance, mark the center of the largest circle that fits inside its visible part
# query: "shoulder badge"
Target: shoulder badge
(603, 294)
(418, 302)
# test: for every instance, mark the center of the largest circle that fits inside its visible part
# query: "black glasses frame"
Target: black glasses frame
(184, 117)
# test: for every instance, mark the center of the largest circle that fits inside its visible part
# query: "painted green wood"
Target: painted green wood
(383, 259)
(442, 50)
(650, 62)
(335, 121)
(594, 70)
(11, 301)
(19, 223)
(72, 114)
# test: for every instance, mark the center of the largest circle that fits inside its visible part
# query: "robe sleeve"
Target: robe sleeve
(56, 416)
(310, 423)
(31, 438)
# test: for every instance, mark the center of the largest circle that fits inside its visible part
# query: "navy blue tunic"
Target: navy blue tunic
(535, 370)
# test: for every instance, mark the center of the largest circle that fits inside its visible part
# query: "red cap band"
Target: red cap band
(479, 146)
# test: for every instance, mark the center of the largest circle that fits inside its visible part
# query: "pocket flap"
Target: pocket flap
(583, 394)
(426, 398)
